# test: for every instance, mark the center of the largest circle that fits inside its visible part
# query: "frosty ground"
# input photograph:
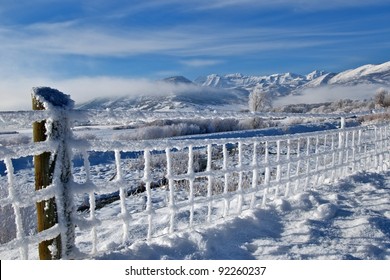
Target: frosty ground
(346, 220)
(349, 219)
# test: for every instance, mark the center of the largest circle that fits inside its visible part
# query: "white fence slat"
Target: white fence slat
(191, 176)
(209, 181)
(171, 186)
(92, 201)
(255, 171)
(149, 204)
(12, 193)
(226, 209)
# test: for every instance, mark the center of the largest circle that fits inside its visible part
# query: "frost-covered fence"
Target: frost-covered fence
(54, 169)
(196, 182)
(123, 191)
(52, 173)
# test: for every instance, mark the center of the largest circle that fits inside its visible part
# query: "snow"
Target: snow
(52, 98)
(315, 74)
(362, 71)
(223, 196)
(346, 220)
(237, 80)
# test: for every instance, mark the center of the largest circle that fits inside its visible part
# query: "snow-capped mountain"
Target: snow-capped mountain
(366, 74)
(173, 93)
(315, 74)
(178, 80)
(369, 74)
(215, 90)
(276, 84)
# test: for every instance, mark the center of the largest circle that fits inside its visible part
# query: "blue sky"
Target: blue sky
(86, 47)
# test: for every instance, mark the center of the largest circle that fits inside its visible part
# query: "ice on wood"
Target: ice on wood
(52, 98)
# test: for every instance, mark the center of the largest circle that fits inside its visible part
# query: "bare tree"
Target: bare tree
(259, 100)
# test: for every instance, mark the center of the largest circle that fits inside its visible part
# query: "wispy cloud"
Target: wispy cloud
(201, 62)
(39, 50)
(87, 37)
(287, 3)
(330, 94)
(69, 38)
(84, 89)
(303, 5)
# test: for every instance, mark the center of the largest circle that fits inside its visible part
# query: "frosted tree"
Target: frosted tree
(382, 98)
(259, 101)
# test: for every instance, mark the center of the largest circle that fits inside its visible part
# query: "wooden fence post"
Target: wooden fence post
(44, 164)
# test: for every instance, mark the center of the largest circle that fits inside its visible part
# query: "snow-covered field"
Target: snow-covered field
(346, 220)
(273, 193)
(349, 219)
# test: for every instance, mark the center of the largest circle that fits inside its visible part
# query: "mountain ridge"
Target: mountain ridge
(214, 90)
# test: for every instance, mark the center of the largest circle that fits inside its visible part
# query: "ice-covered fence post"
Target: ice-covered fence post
(55, 169)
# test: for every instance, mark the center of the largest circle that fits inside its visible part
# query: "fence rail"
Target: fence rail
(158, 187)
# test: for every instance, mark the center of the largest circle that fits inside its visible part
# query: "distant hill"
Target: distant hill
(232, 90)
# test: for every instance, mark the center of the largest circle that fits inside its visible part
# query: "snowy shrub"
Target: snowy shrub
(164, 129)
(339, 106)
(375, 118)
(254, 123)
